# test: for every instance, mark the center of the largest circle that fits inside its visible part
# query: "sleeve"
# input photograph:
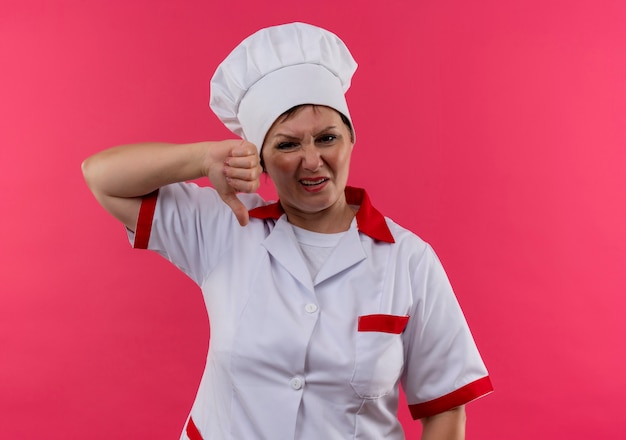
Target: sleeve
(188, 225)
(443, 367)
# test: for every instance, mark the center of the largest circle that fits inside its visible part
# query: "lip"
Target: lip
(314, 184)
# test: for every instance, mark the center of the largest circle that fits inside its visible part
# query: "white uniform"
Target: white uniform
(293, 357)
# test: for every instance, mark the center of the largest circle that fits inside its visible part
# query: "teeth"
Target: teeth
(313, 182)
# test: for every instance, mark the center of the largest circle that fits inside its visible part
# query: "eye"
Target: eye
(327, 139)
(286, 145)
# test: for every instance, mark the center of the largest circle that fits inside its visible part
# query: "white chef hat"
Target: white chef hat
(276, 69)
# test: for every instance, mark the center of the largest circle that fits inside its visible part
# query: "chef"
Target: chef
(320, 307)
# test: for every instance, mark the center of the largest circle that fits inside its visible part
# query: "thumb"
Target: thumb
(238, 208)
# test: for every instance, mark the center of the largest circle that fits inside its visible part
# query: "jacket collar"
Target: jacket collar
(368, 219)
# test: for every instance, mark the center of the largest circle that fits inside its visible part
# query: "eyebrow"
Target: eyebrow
(289, 136)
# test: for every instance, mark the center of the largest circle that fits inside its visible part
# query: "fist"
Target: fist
(234, 166)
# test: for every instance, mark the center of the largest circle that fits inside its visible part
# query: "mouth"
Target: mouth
(313, 182)
(314, 185)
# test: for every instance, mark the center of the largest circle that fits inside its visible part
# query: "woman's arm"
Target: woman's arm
(119, 177)
(448, 425)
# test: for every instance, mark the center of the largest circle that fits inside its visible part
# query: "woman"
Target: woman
(319, 306)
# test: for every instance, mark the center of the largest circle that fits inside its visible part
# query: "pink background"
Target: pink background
(495, 129)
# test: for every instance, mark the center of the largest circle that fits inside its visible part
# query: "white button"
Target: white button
(310, 308)
(296, 383)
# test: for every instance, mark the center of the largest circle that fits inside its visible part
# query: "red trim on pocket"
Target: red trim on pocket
(144, 220)
(383, 323)
(459, 397)
(192, 431)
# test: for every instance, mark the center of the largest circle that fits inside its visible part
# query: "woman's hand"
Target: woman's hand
(234, 166)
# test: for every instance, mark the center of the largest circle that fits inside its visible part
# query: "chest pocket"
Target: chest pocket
(379, 354)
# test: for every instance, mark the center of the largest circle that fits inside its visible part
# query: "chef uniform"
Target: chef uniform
(311, 334)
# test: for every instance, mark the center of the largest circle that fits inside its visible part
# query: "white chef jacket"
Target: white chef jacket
(292, 357)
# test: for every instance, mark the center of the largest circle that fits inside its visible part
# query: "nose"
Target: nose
(312, 158)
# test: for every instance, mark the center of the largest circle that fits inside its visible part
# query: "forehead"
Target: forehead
(306, 116)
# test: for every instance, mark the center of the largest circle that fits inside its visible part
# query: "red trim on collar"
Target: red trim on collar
(368, 219)
(273, 211)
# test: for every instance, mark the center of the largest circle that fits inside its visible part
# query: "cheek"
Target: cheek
(279, 167)
(344, 161)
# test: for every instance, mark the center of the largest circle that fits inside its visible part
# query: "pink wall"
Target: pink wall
(496, 130)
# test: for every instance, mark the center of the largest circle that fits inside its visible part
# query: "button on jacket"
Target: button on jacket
(291, 357)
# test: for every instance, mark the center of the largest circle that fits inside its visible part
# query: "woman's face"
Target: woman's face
(307, 155)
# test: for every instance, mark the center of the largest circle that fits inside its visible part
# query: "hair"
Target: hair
(293, 110)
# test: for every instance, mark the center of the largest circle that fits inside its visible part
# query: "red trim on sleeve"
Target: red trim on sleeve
(144, 221)
(192, 431)
(459, 397)
(383, 323)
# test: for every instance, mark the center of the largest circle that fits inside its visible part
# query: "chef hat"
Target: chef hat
(276, 69)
